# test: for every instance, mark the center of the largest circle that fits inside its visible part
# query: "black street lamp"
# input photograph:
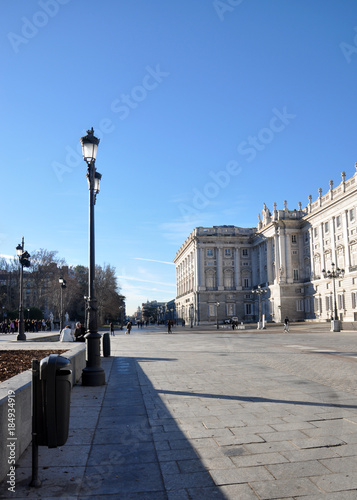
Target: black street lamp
(259, 291)
(191, 315)
(62, 282)
(335, 273)
(217, 306)
(93, 374)
(24, 261)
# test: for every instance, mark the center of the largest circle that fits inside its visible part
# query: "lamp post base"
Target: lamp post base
(21, 336)
(93, 374)
(335, 325)
(93, 377)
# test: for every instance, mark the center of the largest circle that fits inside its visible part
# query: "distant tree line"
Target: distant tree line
(42, 290)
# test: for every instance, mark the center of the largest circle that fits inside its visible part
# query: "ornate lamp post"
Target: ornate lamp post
(24, 261)
(335, 273)
(259, 291)
(217, 306)
(93, 374)
(63, 285)
(191, 315)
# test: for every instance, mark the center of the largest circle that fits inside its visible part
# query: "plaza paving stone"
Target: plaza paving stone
(211, 415)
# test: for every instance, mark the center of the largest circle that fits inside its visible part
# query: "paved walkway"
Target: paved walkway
(218, 415)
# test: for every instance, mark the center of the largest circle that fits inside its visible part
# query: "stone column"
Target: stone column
(237, 283)
(269, 260)
(345, 238)
(288, 261)
(333, 242)
(312, 260)
(277, 256)
(196, 269)
(219, 260)
(282, 254)
(322, 247)
(261, 263)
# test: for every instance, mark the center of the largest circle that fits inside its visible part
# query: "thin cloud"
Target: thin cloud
(153, 260)
(131, 278)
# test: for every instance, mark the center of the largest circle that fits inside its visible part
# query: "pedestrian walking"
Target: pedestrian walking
(128, 327)
(286, 325)
(169, 325)
(112, 329)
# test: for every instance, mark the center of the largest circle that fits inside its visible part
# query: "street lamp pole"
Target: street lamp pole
(217, 306)
(93, 374)
(259, 291)
(191, 314)
(24, 262)
(335, 273)
(62, 282)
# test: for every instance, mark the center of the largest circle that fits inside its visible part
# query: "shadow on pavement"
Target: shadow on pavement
(253, 399)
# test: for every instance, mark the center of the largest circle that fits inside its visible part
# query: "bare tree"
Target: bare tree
(107, 293)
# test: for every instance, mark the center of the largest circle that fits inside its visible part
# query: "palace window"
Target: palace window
(293, 238)
(354, 301)
(227, 252)
(338, 221)
(341, 301)
(228, 281)
(210, 282)
(209, 252)
(299, 305)
(230, 309)
(352, 214)
(245, 252)
(248, 309)
(212, 309)
(326, 227)
(296, 274)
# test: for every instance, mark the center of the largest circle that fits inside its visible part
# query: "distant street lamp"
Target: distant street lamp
(335, 273)
(259, 291)
(24, 261)
(63, 285)
(93, 374)
(217, 306)
(191, 315)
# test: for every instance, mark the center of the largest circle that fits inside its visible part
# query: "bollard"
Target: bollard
(106, 345)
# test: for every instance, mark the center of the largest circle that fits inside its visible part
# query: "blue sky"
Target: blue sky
(206, 109)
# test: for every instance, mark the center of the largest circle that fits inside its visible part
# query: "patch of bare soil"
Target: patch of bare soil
(14, 362)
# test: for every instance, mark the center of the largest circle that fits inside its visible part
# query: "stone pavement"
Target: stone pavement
(210, 415)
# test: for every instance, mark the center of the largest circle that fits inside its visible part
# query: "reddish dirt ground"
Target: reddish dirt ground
(15, 362)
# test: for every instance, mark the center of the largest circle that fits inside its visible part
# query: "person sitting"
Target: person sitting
(79, 333)
(66, 334)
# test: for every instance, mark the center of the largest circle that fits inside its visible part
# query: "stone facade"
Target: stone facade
(217, 268)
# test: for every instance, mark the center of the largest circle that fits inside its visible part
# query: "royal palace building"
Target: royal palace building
(288, 259)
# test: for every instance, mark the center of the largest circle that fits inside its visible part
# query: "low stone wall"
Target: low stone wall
(50, 338)
(15, 409)
(352, 325)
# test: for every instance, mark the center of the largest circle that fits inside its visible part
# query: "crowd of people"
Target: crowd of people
(10, 326)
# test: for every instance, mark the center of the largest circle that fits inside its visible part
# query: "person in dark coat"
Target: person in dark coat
(79, 333)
